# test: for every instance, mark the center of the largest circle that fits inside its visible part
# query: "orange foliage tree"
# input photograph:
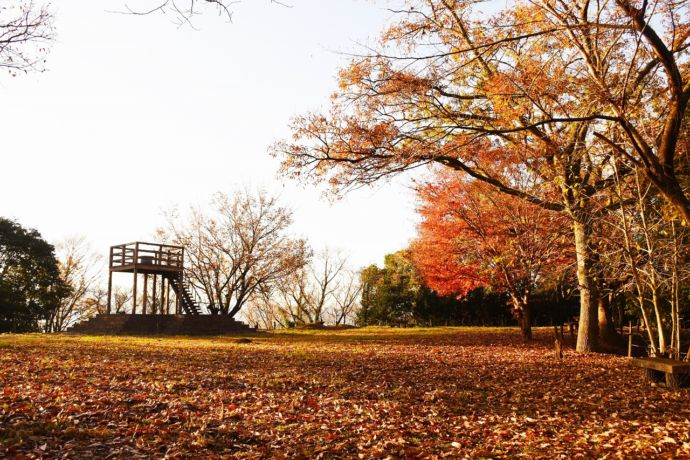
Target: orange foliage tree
(557, 88)
(473, 235)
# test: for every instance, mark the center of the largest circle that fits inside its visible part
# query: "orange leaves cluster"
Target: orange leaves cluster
(354, 74)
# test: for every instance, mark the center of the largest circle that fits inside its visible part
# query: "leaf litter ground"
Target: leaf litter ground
(371, 393)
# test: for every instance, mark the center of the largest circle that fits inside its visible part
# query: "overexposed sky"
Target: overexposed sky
(135, 115)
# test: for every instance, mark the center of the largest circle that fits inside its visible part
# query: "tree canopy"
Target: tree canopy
(30, 284)
(532, 83)
(551, 93)
(472, 235)
(238, 248)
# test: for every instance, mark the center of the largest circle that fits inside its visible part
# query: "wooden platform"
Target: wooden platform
(141, 257)
(125, 324)
(656, 369)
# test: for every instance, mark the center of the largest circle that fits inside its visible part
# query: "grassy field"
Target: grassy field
(362, 393)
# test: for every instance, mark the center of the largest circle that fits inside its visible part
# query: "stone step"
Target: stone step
(161, 324)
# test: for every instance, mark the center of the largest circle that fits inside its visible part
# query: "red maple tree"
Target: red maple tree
(472, 235)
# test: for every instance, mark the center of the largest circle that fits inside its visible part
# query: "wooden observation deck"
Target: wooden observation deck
(168, 303)
(160, 261)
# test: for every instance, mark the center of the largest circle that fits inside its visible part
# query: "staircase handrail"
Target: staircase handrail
(190, 288)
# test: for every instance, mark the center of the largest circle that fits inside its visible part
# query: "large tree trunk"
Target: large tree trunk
(673, 194)
(588, 329)
(607, 331)
(522, 312)
(525, 321)
(605, 326)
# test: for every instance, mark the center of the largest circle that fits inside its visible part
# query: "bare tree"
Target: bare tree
(263, 311)
(654, 246)
(325, 290)
(97, 301)
(305, 297)
(25, 31)
(238, 247)
(183, 11)
(122, 300)
(79, 269)
(346, 298)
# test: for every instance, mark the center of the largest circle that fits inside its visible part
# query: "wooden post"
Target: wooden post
(110, 290)
(167, 300)
(110, 281)
(558, 344)
(134, 294)
(146, 292)
(162, 295)
(154, 303)
(672, 381)
(630, 345)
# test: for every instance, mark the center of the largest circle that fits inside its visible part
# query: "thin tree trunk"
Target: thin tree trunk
(639, 287)
(675, 297)
(659, 319)
(653, 282)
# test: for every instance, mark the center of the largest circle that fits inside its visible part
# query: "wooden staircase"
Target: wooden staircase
(189, 301)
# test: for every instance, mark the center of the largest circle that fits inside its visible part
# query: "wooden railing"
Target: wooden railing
(151, 254)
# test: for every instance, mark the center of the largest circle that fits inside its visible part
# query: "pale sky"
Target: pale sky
(134, 115)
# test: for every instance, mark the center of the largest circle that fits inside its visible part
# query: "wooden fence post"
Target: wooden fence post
(558, 344)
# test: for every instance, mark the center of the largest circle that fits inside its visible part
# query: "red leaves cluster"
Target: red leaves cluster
(472, 235)
(367, 394)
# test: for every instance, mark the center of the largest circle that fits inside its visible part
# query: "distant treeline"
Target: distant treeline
(396, 295)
